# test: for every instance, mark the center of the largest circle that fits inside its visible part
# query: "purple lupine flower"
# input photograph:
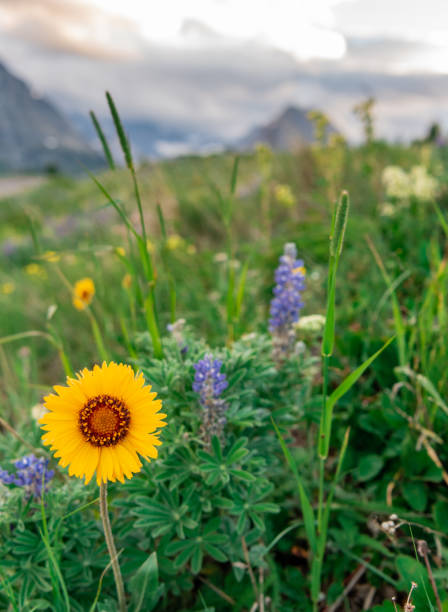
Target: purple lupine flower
(287, 301)
(209, 383)
(31, 473)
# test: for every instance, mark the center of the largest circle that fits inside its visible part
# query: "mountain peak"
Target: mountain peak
(34, 134)
(290, 130)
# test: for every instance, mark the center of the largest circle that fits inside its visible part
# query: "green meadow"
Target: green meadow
(324, 485)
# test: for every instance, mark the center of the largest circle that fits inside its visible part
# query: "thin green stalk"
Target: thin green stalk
(398, 319)
(153, 327)
(127, 341)
(111, 548)
(102, 352)
(172, 299)
(55, 571)
(39, 334)
(321, 493)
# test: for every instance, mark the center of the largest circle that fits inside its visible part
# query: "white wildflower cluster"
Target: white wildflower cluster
(311, 323)
(402, 185)
(396, 182)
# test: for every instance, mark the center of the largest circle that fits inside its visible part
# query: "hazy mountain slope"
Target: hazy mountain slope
(34, 135)
(291, 130)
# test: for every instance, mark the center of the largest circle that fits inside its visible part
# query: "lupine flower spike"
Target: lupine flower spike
(287, 301)
(31, 474)
(210, 382)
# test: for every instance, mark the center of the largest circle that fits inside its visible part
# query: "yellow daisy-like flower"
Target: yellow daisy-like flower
(8, 288)
(51, 256)
(83, 293)
(126, 281)
(34, 269)
(102, 421)
(174, 242)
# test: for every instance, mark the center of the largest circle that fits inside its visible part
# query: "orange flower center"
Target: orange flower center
(104, 420)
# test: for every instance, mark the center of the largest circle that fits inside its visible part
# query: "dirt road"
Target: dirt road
(12, 185)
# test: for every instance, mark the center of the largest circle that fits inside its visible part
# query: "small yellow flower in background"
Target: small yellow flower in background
(174, 242)
(191, 249)
(51, 256)
(284, 195)
(34, 269)
(102, 421)
(150, 246)
(126, 283)
(8, 288)
(120, 251)
(83, 293)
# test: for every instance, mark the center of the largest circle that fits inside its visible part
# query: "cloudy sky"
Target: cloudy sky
(223, 66)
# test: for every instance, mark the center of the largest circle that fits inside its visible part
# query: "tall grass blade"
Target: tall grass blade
(103, 140)
(234, 177)
(153, 327)
(307, 510)
(346, 385)
(426, 384)
(441, 218)
(240, 290)
(398, 319)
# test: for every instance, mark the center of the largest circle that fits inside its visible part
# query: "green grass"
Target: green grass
(214, 245)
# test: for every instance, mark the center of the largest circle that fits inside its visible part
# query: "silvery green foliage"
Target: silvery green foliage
(199, 501)
(194, 505)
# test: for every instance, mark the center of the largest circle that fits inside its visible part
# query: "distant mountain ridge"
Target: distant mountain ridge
(149, 138)
(290, 130)
(34, 135)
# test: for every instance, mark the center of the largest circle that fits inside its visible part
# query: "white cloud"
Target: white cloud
(303, 28)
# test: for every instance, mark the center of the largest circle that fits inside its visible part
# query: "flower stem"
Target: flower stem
(111, 548)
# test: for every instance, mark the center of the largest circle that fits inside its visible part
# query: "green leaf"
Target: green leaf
(212, 525)
(368, 467)
(174, 547)
(441, 515)
(236, 456)
(415, 493)
(214, 552)
(196, 561)
(265, 507)
(144, 582)
(216, 445)
(222, 502)
(242, 474)
(183, 557)
(257, 521)
(348, 383)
